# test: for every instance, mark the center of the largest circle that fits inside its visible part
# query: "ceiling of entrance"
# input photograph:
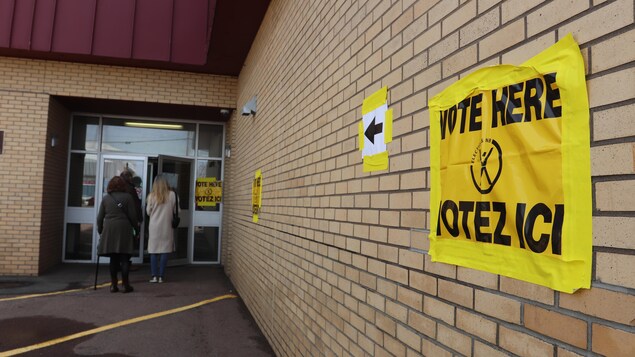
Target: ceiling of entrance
(206, 36)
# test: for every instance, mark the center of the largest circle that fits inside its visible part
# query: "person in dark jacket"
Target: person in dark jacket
(116, 214)
(129, 176)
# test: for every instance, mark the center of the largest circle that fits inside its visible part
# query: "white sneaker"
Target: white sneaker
(154, 280)
(160, 279)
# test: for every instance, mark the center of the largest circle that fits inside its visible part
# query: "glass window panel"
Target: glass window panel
(210, 140)
(85, 133)
(209, 168)
(179, 176)
(123, 135)
(206, 244)
(79, 241)
(115, 166)
(82, 179)
(180, 244)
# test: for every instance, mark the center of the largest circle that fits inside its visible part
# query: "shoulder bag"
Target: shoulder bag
(175, 215)
(125, 212)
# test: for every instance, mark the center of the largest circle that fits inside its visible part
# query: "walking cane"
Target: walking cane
(96, 271)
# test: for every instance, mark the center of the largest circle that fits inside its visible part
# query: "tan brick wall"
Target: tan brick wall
(334, 267)
(54, 186)
(121, 83)
(33, 175)
(23, 118)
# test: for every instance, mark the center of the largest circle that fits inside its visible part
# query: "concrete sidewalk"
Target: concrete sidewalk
(215, 327)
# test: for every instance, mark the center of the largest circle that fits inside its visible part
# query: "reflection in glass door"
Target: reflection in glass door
(114, 165)
(178, 172)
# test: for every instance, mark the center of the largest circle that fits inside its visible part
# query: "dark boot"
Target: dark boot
(114, 267)
(125, 270)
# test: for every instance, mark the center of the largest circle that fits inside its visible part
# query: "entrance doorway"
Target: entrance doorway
(102, 147)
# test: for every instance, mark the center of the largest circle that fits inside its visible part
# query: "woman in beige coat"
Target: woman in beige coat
(160, 207)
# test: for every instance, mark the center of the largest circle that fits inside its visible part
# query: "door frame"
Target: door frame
(208, 219)
(185, 215)
(138, 259)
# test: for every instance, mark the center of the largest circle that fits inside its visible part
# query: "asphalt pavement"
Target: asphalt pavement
(195, 312)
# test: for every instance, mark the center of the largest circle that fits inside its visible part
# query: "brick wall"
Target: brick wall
(334, 266)
(54, 186)
(23, 117)
(226, 233)
(33, 175)
(121, 83)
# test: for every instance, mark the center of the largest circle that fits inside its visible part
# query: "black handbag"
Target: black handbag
(175, 215)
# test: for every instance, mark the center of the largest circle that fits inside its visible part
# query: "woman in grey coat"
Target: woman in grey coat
(161, 205)
(116, 213)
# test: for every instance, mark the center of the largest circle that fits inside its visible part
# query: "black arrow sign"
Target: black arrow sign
(372, 130)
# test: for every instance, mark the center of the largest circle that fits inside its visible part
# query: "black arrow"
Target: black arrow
(372, 130)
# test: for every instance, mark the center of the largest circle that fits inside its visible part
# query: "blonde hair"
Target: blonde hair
(160, 190)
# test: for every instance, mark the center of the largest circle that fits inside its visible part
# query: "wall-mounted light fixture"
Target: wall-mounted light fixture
(228, 151)
(250, 107)
(153, 125)
(53, 141)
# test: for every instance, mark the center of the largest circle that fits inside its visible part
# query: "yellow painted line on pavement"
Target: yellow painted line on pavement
(112, 326)
(52, 293)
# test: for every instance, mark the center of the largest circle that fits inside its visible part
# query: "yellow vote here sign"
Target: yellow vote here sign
(256, 195)
(510, 169)
(209, 192)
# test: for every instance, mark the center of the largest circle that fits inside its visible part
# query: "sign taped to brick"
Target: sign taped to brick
(375, 131)
(256, 195)
(209, 192)
(510, 170)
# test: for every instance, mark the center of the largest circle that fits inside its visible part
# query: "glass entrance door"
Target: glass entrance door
(114, 165)
(207, 215)
(101, 146)
(179, 172)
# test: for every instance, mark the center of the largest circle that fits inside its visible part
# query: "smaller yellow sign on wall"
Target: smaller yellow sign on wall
(209, 192)
(375, 131)
(256, 195)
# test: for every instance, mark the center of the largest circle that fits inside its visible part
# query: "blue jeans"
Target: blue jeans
(160, 270)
